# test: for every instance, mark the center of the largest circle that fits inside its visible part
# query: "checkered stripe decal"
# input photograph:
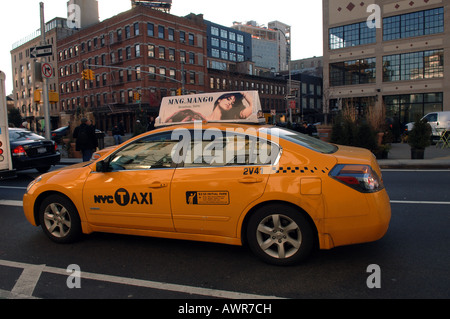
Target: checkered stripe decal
(299, 170)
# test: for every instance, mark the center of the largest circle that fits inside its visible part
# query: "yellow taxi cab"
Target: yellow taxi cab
(223, 180)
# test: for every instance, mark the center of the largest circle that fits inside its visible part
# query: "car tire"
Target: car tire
(280, 235)
(59, 219)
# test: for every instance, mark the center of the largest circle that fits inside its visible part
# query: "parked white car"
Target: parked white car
(439, 121)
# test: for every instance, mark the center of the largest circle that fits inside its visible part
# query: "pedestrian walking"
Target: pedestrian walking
(118, 131)
(86, 140)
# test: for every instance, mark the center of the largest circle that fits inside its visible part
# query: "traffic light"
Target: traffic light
(137, 96)
(85, 74)
(88, 74)
(37, 96)
(179, 91)
(1, 149)
(53, 97)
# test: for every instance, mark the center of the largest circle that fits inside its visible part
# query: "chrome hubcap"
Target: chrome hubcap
(57, 220)
(279, 236)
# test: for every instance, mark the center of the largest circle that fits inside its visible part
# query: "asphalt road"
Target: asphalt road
(412, 259)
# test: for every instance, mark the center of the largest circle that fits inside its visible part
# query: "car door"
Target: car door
(134, 191)
(218, 181)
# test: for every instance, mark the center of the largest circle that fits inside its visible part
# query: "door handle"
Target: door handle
(250, 180)
(157, 185)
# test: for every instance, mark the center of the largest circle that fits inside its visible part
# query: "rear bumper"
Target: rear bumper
(363, 228)
(24, 162)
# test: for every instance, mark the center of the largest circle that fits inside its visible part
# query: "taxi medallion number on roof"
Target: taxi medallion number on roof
(213, 171)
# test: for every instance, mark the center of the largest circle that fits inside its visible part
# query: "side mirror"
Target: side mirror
(102, 167)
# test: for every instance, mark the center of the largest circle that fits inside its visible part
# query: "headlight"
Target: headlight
(37, 180)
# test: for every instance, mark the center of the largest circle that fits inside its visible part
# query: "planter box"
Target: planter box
(324, 133)
(417, 153)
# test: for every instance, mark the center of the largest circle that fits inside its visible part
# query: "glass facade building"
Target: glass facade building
(399, 65)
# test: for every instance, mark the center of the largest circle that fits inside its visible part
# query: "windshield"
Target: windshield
(16, 135)
(302, 139)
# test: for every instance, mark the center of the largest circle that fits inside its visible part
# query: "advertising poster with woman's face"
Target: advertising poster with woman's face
(211, 107)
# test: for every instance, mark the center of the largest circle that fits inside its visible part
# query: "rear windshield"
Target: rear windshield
(23, 136)
(301, 139)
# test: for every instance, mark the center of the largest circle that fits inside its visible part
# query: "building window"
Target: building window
(351, 35)
(137, 49)
(171, 34)
(214, 31)
(405, 108)
(152, 71)
(161, 32)
(151, 51)
(215, 42)
(150, 29)
(361, 71)
(171, 54)
(162, 53)
(413, 24)
(413, 66)
(136, 28)
(138, 73)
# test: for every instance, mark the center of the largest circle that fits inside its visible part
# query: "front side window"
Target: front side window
(151, 152)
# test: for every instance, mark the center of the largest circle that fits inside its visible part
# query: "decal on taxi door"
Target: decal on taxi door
(122, 198)
(208, 198)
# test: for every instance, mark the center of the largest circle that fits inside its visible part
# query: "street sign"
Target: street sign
(47, 70)
(39, 52)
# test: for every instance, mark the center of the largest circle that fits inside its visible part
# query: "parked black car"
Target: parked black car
(29, 150)
(59, 133)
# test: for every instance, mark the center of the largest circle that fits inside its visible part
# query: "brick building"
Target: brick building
(143, 51)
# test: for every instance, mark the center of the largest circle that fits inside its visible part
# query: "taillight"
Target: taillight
(360, 177)
(19, 151)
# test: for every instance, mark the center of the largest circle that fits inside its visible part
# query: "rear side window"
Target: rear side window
(219, 148)
(302, 139)
(433, 117)
(23, 136)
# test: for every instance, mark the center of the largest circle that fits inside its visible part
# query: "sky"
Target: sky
(18, 19)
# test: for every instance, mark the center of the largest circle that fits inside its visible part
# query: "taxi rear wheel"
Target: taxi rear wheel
(280, 235)
(59, 219)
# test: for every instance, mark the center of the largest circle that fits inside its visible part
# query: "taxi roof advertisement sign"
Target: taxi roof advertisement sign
(242, 107)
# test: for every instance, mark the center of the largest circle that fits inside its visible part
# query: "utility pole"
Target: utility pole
(45, 80)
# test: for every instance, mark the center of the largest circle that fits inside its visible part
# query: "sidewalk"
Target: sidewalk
(399, 157)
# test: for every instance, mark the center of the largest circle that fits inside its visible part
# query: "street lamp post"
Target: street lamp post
(288, 95)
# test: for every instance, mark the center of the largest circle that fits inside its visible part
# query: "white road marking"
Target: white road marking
(418, 202)
(28, 280)
(31, 274)
(6, 202)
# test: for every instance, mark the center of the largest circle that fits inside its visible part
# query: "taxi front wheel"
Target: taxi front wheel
(279, 235)
(59, 219)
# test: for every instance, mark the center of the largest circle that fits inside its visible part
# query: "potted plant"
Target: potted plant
(419, 138)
